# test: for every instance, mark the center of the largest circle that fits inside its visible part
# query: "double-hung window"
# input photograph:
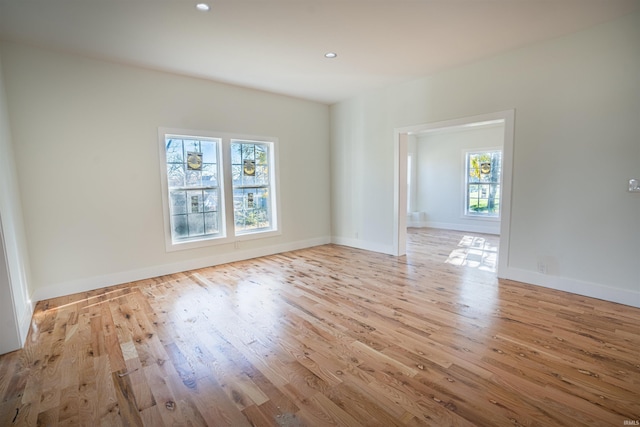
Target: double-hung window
(482, 183)
(193, 172)
(250, 165)
(217, 188)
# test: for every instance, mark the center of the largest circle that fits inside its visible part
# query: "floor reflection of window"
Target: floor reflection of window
(475, 252)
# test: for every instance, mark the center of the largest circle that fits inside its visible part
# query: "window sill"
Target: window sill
(216, 241)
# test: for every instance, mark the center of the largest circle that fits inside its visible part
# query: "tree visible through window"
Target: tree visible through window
(483, 170)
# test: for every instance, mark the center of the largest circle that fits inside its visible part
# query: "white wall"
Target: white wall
(440, 177)
(577, 104)
(15, 307)
(85, 139)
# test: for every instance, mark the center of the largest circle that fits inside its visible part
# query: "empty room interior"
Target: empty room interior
(277, 213)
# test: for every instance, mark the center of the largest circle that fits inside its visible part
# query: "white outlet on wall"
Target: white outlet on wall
(634, 185)
(542, 267)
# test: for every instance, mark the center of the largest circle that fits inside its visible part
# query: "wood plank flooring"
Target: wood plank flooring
(330, 336)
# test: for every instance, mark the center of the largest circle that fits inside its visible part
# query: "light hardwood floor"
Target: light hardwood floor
(330, 336)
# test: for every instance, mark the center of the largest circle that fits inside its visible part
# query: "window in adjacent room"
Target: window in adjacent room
(217, 188)
(483, 171)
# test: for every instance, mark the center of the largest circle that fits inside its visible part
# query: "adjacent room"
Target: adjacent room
(277, 213)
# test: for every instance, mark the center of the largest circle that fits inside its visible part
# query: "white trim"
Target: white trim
(25, 323)
(574, 286)
(400, 155)
(469, 228)
(505, 189)
(97, 282)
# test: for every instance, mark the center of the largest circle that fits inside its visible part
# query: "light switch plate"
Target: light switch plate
(634, 186)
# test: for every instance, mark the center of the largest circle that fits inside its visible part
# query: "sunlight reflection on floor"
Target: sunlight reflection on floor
(475, 252)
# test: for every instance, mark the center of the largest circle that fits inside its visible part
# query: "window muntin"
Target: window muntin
(193, 172)
(251, 179)
(482, 183)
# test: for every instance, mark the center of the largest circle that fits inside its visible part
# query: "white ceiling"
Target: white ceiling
(279, 46)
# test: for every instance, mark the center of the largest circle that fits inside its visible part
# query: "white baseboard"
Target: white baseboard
(362, 244)
(468, 228)
(24, 324)
(92, 283)
(574, 286)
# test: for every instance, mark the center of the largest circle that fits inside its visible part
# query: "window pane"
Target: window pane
(473, 198)
(236, 174)
(209, 152)
(493, 201)
(175, 175)
(196, 225)
(202, 213)
(262, 201)
(180, 228)
(193, 178)
(239, 212)
(248, 179)
(248, 151)
(236, 154)
(263, 208)
(261, 155)
(262, 175)
(174, 150)
(194, 199)
(191, 146)
(251, 209)
(178, 202)
(209, 175)
(211, 201)
(211, 223)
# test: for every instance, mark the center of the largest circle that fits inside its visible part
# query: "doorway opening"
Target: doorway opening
(404, 192)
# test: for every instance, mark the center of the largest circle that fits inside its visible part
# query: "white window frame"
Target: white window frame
(227, 234)
(465, 204)
(272, 213)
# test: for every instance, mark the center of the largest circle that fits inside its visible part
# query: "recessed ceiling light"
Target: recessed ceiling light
(203, 7)
(330, 55)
